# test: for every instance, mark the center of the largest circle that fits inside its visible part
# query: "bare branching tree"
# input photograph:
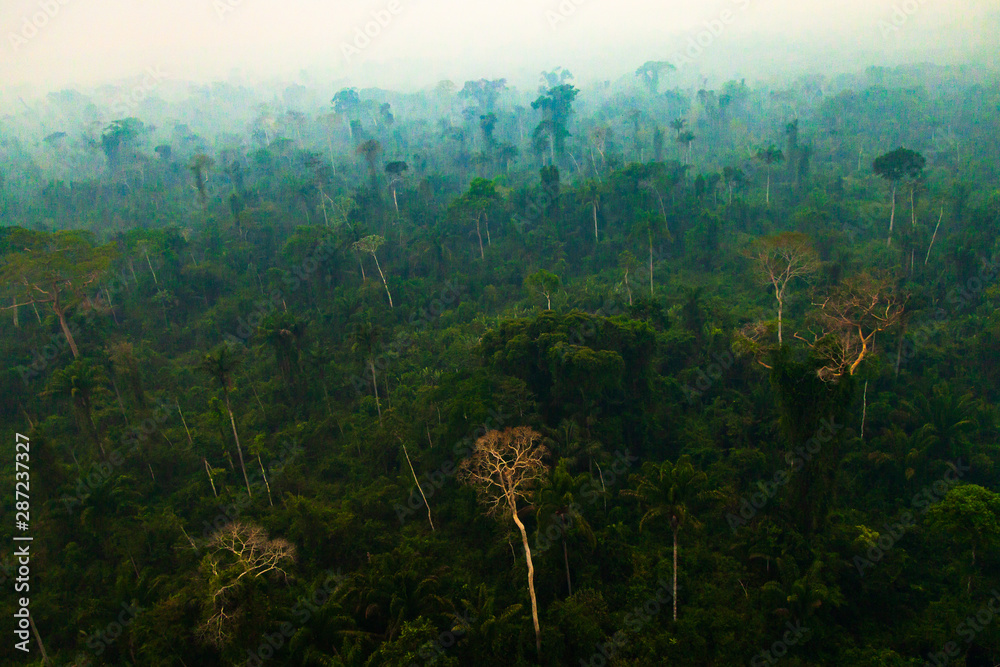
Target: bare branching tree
(780, 260)
(240, 552)
(504, 468)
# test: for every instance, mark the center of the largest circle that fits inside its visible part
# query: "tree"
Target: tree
(241, 552)
(859, 309)
(769, 156)
(395, 170)
(370, 149)
(556, 105)
(649, 73)
(590, 193)
(732, 176)
(544, 283)
(895, 166)
(79, 381)
(504, 468)
(366, 338)
(686, 137)
(557, 506)
(780, 260)
(970, 515)
(668, 490)
(370, 244)
(627, 261)
(475, 203)
(54, 269)
(200, 164)
(221, 363)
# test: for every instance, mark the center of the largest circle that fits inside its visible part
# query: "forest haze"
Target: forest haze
(536, 341)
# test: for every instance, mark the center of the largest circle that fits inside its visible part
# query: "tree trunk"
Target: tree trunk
(378, 405)
(383, 279)
(892, 216)
(61, 314)
(780, 309)
(651, 266)
(264, 475)
(531, 578)
(419, 488)
(675, 573)
(767, 196)
(239, 449)
(211, 481)
(926, 259)
(595, 220)
(569, 583)
(482, 255)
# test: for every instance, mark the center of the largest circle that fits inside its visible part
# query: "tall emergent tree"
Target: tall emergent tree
(371, 244)
(504, 468)
(781, 259)
(895, 166)
(221, 363)
(56, 269)
(769, 156)
(649, 73)
(668, 490)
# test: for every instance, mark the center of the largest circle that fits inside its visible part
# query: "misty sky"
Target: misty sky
(87, 42)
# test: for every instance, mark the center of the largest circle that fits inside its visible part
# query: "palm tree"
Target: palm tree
(366, 338)
(770, 156)
(557, 506)
(668, 490)
(221, 363)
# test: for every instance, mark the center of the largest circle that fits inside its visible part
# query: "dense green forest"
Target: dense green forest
(725, 390)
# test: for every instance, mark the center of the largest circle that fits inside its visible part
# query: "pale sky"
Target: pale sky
(53, 44)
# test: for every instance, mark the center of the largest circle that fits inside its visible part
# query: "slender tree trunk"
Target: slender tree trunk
(211, 481)
(150, 264)
(548, 302)
(531, 577)
(482, 255)
(864, 410)
(594, 204)
(767, 196)
(892, 215)
(675, 574)
(61, 314)
(650, 266)
(936, 227)
(569, 583)
(780, 312)
(384, 283)
(378, 405)
(627, 288)
(264, 475)
(420, 488)
(239, 448)
(38, 638)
